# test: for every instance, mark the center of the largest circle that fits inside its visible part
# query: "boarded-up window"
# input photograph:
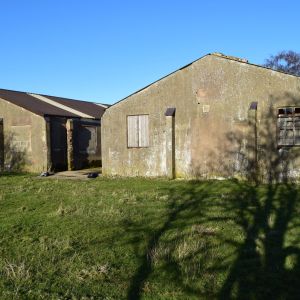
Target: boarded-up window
(138, 131)
(288, 124)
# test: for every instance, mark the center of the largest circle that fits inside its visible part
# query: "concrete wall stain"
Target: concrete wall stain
(212, 130)
(24, 139)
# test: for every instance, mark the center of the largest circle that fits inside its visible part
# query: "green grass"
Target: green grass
(148, 239)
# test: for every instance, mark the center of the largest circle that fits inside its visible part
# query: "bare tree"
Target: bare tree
(286, 61)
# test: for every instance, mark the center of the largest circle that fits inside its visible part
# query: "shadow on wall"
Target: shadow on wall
(250, 151)
(226, 239)
(14, 157)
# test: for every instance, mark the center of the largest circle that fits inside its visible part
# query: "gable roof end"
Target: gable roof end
(216, 54)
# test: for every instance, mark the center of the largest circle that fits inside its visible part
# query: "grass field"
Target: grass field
(148, 239)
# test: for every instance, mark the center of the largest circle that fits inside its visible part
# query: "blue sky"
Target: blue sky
(104, 50)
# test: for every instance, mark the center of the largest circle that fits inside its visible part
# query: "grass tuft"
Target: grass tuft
(16, 272)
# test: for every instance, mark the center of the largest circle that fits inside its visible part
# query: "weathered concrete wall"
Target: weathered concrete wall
(24, 138)
(27, 140)
(212, 129)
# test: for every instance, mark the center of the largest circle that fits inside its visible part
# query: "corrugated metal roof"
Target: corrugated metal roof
(85, 107)
(43, 108)
(59, 105)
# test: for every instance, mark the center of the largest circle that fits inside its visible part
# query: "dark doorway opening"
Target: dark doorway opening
(87, 148)
(58, 137)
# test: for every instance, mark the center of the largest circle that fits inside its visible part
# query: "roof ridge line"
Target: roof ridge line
(66, 98)
(59, 105)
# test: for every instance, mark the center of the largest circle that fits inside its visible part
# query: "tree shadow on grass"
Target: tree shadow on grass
(230, 239)
(222, 240)
(158, 247)
(267, 262)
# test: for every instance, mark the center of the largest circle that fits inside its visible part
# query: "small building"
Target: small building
(219, 116)
(40, 132)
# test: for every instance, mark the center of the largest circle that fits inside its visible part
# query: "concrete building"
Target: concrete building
(39, 132)
(219, 116)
